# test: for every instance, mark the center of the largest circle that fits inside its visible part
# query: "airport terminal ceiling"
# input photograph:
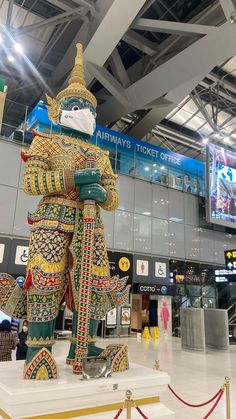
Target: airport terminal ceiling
(162, 71)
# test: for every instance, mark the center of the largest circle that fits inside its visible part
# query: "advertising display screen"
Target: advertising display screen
(221, 177)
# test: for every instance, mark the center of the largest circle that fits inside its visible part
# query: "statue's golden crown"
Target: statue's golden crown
(76, 88)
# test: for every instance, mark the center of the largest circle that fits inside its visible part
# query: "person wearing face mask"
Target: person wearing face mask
(21, 349)
(56, 167)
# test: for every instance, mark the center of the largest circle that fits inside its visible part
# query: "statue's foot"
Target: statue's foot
(41, 367)
(119, 357)
(93, 350)
(116, 352)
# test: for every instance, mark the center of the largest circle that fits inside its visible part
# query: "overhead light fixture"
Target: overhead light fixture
(232, 18)
(11, 58)
(18, 47)
(205, 140)
(162, 167)
(226, 140)
(147, 168)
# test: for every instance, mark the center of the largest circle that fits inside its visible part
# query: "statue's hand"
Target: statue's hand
(87, 176)
(94, 191)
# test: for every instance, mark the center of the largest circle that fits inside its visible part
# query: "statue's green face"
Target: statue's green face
(75, 103)
(78, 115)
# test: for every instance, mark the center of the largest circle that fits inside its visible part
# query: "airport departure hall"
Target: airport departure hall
(117, 209)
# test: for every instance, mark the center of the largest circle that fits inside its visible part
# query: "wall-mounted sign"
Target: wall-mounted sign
(160, 271)
(5, 248)
(225, 275)
(18, 257)
(121, 264)
(2, 249)
(142, 269)
(154, 289)
(125, 316)
(111, 318)
(230, 259)
(124, 264)
(22, 254)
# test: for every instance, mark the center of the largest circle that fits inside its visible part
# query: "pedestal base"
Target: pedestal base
(70, 397)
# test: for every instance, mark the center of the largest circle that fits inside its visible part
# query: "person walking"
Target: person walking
(22, 347)
(7, 341)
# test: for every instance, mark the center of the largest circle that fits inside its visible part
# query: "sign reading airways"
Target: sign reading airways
(230, 259)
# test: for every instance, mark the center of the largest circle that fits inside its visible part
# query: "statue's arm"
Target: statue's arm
(38, 178)
(108, 182)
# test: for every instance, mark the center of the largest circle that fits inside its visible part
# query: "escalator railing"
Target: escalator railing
(232, 323)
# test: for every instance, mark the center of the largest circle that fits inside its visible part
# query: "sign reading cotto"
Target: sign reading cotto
(230, 259)
(154, 289)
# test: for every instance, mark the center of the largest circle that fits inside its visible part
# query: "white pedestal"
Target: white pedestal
(23, 399)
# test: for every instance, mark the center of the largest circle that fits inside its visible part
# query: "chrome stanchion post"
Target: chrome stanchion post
(128, 404)
(227, 394)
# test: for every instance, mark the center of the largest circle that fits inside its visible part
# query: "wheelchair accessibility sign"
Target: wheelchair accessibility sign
(160, 270)
(21, 256)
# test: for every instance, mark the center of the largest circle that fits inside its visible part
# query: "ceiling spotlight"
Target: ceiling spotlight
(232, 18)
(205, 140)
(162, 167)
(11, 58)
(18, 47)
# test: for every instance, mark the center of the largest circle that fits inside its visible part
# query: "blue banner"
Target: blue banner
(115, 140)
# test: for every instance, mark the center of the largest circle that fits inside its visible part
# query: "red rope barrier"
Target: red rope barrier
(118, 413)
(214, 405)
(140, 412)
(194, 405)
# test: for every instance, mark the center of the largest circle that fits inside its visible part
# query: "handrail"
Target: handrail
(234, 304)
(231, 319)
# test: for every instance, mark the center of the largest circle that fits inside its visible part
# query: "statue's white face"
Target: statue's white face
(78, 114)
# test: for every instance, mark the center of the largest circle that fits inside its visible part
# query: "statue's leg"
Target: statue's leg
(40, 335)
(42, 311)
(45, 283)
(92, 349)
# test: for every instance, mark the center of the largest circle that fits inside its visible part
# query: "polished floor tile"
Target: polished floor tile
(195, 376)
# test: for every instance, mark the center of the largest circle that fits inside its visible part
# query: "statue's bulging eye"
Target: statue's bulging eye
(75, 108)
